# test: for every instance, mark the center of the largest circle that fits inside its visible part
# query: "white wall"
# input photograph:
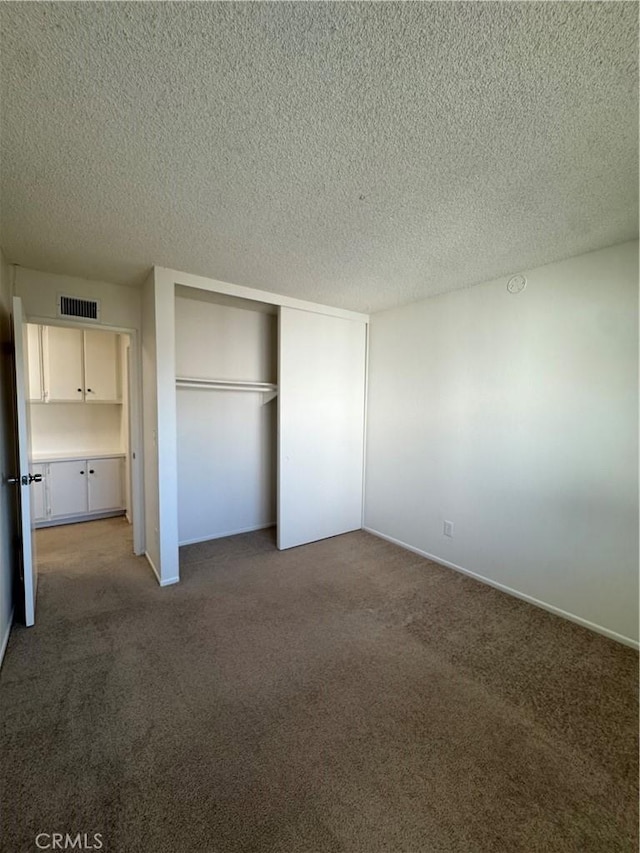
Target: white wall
(226, 439)
(76, 428)
(516, 418)
(8, 519)
(224, 342)
(119, 306)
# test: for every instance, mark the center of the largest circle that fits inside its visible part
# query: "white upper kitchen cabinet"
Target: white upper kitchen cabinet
(80, 366)
(101, 366)
(63, 369)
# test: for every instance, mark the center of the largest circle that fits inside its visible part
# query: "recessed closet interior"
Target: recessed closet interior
(226, 414)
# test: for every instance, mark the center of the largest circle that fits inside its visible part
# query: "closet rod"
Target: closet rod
(224, 384)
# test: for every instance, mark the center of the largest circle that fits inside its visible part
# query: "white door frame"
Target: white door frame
(136, 446)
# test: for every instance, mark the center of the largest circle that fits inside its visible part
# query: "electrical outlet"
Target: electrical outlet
(447, 528)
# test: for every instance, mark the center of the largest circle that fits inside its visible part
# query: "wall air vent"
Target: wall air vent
(71, 306)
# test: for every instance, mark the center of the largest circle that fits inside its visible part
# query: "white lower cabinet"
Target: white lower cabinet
(75, 489)
(67, 486)
(104, 484)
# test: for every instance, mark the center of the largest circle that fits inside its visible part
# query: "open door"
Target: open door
(22, 478)
(321, 385)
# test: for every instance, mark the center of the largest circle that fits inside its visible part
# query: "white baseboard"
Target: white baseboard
(227, 533)
(167, 581)
(5, 639)
(592, 626)
(77, 519)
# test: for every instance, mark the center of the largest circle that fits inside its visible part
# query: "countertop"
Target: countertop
(71, 457)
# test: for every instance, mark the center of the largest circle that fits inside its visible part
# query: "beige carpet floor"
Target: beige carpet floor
(346, 696)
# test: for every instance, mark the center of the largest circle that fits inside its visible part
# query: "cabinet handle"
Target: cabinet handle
(80, 390)
(91, 471)
(89, 391)
(82, 472)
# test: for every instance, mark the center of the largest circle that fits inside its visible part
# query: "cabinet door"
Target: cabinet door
(35, 388)
(105, 484)
(67, 484)
(38, 494)
(101, 366)
(62, 352)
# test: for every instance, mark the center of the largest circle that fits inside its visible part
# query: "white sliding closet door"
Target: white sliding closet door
(321, 383)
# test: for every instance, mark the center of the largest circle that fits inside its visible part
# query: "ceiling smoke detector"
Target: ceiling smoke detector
(516, 284)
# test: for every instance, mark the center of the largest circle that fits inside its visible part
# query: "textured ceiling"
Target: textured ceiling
(361, 155)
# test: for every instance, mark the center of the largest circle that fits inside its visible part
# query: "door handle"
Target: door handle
(25, 480)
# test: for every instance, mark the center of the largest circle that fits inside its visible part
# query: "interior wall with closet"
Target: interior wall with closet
(318, 408)
(226, 373)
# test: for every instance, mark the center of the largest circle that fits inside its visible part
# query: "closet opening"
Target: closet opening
(226, 406)
(83, 427)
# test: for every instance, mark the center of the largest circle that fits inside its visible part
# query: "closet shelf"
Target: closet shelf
(224, 384)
